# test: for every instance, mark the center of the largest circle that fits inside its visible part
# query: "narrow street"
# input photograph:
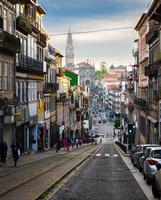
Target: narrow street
(105, 175)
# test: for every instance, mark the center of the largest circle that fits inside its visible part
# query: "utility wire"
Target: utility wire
(93, 31)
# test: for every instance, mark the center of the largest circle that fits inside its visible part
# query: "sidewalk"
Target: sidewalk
(33, 157)
(36, 173)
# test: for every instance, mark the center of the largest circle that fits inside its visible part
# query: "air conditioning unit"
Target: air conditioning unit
(10, 110)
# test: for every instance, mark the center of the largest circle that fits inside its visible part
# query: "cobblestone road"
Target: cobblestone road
(104, 177)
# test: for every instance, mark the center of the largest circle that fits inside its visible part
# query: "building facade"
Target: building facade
(9, 46)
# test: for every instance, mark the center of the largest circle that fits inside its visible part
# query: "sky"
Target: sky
(112, 47)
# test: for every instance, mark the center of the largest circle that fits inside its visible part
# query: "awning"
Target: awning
(152, 119)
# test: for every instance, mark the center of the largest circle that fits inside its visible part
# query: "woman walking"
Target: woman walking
(15, 153)
(4, 149)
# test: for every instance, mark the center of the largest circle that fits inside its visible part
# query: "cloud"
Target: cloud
(112, 46)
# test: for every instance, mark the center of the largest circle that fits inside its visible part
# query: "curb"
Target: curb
(121, 151)
(49, 190)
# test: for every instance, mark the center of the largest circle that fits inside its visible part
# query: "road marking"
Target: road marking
(107, 155)
(98, 155)
(115, 155)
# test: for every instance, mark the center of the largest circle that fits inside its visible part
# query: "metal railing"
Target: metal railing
(27, 63)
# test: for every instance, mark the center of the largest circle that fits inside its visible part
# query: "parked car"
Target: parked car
(153, 158)
(132, 152)
(156, 182)
(146, 149)
(138, 154)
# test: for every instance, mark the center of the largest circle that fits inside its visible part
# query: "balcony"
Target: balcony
(152, 34)
(140, 102)
(9, 43)
(156, 15)
(151, 70)
(61, 72)
(131, 106)
(28, 64)
(157, 55)
(135, 52)
(42, 39)
(130, 87)
(51, 87)
(23, 25)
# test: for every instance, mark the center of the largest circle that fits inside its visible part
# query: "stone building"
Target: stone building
(86, 74)
(9, 46)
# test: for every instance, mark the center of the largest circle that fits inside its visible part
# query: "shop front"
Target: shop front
(53, 131)
(22, 128)
(33, 132)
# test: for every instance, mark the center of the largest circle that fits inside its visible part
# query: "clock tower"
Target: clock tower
(69, 51)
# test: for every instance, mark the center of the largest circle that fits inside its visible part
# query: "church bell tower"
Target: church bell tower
(69, 51)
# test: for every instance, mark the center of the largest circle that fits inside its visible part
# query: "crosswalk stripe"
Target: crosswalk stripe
(115, 155)
(98, 154)
(107, 155)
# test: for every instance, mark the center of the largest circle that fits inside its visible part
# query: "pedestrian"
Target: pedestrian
(58, 145)
(72, 142)
(4, 149)
(15, 153)
(77, 142)
(80, 141)
(65, 144)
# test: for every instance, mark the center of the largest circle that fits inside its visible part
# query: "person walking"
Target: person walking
(65, 144)
(77, 142)
(15, 153)
(4, 149)
(58, 145)
(72, 142)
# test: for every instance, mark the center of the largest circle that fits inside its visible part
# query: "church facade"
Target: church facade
(86, 74)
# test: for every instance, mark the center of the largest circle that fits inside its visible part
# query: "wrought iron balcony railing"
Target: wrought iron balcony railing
(26, 63)
(42, 39)
(51, 87)
(141, 103)
(151, 70)
(152, 34)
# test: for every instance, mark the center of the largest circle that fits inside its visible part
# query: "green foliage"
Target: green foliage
(117, 122)
(99, 73)
(9, 42)
(24, 24)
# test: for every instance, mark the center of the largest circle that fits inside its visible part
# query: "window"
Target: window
(20, 85)
(25, 47)
(1, 14)
(11, 76)
(5, 75)
(5, 20)
(10, 23)
(17, 89)
(24, 91)
(142, 125)
(1, 75)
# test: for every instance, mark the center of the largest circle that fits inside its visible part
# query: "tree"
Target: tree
(99, 73)
(117, 122)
